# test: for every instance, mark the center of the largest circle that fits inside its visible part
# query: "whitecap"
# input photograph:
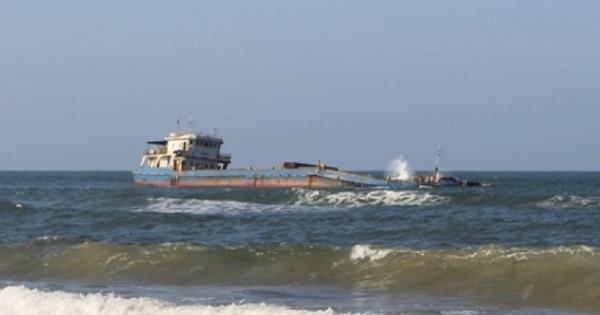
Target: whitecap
(368, 252)
(16, 300)
(227, 207)
(374, 197)
(569, 202)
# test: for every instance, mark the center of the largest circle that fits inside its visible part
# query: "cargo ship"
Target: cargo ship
(194, 159)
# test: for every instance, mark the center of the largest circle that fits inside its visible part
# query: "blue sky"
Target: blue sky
(501, 85)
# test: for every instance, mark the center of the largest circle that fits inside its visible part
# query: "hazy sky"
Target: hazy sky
(501, 85)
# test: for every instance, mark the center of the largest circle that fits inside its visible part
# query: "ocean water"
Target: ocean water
(92, 243)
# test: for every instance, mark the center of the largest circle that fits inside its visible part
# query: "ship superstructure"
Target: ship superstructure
(186, 151)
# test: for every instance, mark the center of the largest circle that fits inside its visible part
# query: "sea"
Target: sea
(78, 242)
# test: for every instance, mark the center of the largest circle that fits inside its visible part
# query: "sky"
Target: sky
(500, 85)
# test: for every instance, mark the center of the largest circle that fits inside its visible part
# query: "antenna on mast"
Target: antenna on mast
(190, 123)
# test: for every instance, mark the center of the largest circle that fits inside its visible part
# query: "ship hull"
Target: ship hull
(276, 177)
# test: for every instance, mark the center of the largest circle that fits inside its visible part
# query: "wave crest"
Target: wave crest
(368, 252)
(21, 300)
(570, 202)
(563, 276)
(375, 197)
(299, 200)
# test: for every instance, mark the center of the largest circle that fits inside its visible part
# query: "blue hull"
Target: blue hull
(275, 177)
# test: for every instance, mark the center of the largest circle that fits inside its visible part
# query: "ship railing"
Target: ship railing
(356, 174)
(155, 151)
(224, 156)
(200, 134)
(340, 171)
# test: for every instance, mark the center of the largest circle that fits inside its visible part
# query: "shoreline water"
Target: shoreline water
(524, 243)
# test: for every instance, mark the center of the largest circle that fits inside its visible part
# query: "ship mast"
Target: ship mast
(436, 173)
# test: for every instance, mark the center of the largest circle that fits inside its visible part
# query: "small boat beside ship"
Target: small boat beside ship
(194, 159)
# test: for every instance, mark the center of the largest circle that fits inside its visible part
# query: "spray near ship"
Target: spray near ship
(195, 159)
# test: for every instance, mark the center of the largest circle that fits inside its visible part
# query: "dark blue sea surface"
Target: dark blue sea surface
(92, 243)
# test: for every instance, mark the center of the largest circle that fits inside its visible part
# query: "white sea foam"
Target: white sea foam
(304, 200)
(228, 207)
(360, 198)
(399, 169)
(570, 202)
(367, 252)
(199, 206)
(196, 206)
(18, 300)
(48, 238)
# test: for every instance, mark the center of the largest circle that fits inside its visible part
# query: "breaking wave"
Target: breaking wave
(570, 202)
(368, 252)
(17, 300)
(198, 206)
(563, 276)
(375, 197)
(299, 200)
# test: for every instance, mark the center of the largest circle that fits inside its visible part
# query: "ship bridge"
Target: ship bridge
(184, 151)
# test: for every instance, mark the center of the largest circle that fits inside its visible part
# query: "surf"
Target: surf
(17, 300)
